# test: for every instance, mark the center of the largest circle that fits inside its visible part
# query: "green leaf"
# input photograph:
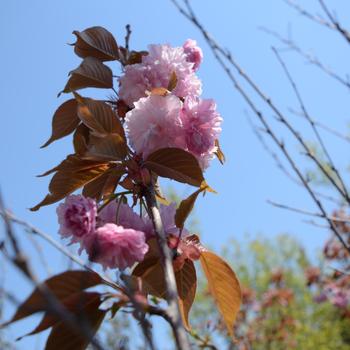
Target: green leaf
(224, 287)
(91, 73)
(96, 42)
(64, 121)
(175, 164)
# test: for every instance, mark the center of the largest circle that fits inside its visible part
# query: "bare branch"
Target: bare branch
(223, 56)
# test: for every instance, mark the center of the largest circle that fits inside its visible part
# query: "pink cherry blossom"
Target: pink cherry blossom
(155, 70)
(202, 126)
(193, 53)
(77, 217)
(126, 218)
(155, 123)
(114, 246)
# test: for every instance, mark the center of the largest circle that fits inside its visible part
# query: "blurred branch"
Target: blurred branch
(342, 188)
(291, 45)
(54, 306)
(33, 230)
(306, 212)
(345, 34)
(226, 61)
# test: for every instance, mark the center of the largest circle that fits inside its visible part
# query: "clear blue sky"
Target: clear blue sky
(35, 61)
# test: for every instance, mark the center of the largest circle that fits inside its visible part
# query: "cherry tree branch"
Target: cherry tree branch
(169, 275)
(227, 62)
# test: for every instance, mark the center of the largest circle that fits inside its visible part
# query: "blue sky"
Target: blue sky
(34, 67)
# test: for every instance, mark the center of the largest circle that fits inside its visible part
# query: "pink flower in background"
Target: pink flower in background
(114, 246)
(155, 71)
(167, 213)
(77, 217)
(202, 126)
(126, 216)
(155, 123)
(193, 53)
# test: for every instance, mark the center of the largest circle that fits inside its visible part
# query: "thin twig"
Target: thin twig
(31, 229)
(310, 121)
(220, 54)
(306, 212)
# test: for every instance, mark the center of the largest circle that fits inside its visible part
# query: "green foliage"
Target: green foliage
(297, 322)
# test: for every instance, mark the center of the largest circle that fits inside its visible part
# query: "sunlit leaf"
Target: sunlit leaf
(176, 164)
(219, 154)
(224, 286)
(66, 181)
(90, 73)
(172, 81)
(64, 121)
(109, 147)
(185, 208)
(81, 139)
(61, 286)
(73, 163)
(186, 281)
(104, 185)
(96, 42)
(99, 116)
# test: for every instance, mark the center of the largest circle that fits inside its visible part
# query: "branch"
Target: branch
(225, 59)
(54, 306)
(33, 230)
(170, 281)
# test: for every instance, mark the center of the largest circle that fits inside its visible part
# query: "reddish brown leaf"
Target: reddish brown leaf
(74, 163)
(219, 154)
(136, 57)
(104, 185)
(186, 281)
(64, 182)
(224, 286)
(96, 42)
(64, 121)
(109, 148)
(90, 73)
(62, 337)
(185, 208)
(61, 286)
(76, 304)
(81, 139)
(176, 164)
(99, 117)
(152, 274)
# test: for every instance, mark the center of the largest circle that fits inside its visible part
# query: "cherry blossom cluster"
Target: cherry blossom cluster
(180, 118)
(116, 237)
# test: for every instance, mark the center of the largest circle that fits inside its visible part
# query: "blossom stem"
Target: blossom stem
(169, 275)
